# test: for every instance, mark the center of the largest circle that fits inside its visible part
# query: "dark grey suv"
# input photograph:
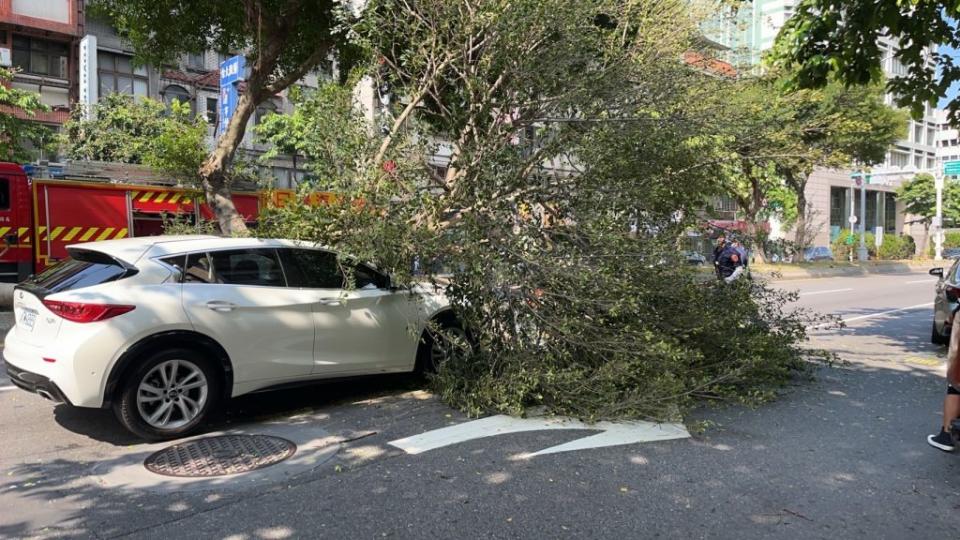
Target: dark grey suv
(946, 301)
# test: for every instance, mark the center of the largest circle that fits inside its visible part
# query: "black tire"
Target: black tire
(131, 413)
(426, 362)
(936, 338)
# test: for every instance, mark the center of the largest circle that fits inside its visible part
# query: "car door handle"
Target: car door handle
(330, 302)
(217, 305)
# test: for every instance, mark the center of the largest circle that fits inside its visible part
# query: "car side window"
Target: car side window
(365, 277)
(248, 267)
(952, 273)
(198, 269)
(177, 262)
(311, 268)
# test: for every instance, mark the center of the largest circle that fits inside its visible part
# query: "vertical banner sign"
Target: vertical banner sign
(89, 88)
(231, 73)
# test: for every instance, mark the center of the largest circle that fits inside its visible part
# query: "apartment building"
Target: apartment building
(69, 57)
(40, 39)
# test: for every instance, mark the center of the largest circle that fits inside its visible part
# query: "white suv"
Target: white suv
(164, 328)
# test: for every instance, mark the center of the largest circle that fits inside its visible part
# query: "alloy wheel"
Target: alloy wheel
(172, 394)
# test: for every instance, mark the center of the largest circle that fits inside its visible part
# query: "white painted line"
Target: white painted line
(879, 314)
(613, 434)
(813, 293)
(5, 388)
(922, 281)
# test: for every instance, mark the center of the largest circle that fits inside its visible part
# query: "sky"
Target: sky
(953, 89)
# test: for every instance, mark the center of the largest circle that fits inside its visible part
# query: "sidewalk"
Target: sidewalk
(833, 269)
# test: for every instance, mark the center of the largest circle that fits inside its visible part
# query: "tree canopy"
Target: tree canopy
(122, 129)
(919, 197)
(17, 127)
(828, 39)
(550, 155)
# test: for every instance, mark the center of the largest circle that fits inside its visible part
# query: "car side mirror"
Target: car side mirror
(937, 272)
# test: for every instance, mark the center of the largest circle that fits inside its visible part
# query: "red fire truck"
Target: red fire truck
(39, 217)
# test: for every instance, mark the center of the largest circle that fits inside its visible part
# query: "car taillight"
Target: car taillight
(84, 313)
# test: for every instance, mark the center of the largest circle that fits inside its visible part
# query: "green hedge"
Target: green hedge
(893, 247)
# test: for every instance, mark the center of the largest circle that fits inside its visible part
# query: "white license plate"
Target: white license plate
(28, 318)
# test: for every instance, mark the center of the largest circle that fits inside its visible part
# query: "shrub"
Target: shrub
(896, 247)
(841, 249)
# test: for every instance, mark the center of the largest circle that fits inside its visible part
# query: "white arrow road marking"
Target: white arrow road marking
(613, 433)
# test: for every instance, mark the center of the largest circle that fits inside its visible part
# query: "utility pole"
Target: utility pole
(938, 219)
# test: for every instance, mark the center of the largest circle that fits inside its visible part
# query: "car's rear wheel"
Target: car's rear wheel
(936, 338)
(168, 395)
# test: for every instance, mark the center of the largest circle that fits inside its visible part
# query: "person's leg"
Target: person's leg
(951, 410)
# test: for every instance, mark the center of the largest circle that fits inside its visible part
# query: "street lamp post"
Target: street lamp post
(862, 252)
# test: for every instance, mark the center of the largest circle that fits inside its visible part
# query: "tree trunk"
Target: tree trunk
(213, 171)
(753, 231)
(800, 235)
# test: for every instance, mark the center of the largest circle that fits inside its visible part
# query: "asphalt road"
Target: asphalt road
(840, 456)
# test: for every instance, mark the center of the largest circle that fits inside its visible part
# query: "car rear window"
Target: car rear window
(84, 268)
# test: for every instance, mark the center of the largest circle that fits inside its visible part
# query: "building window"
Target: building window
(899, 159)
(265, 110)
(898, 68)
(930, 163)
(838, 199)
(890, 213)
(40, 56)
(918, 162)
(177, 93)
(212, 111)
(117, 74)
(195, 60)
(918, 133)
(930, 136)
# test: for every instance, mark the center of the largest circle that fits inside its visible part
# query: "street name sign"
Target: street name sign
(231, 73)
(951, 168)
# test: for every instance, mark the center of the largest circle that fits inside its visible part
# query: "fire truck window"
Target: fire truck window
(248, 267)
(199, 269)
(4, 194)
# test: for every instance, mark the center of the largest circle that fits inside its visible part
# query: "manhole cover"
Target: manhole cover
(220, 456)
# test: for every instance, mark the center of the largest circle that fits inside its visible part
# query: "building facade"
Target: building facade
(68, 58)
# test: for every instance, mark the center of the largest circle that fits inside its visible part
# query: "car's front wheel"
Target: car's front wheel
(440, 344)
(168, 395)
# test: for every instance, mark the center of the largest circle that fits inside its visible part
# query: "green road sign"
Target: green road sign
(951, 168)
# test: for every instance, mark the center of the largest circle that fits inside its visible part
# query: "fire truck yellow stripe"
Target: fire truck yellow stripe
(40, 231)
(175, 198)
(90, 232)
(56, 232)
(121, 234)
(161, 196)
(23, 233)
(187, 200)
(105, 234)
(73, 232)
(4, 230)
(134, 195)
(146, 197)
